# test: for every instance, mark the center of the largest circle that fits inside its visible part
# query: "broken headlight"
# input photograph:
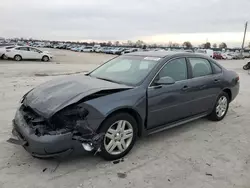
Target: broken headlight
(76, 111)
(68, 117)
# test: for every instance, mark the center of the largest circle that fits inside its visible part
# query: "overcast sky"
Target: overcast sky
(158, 21)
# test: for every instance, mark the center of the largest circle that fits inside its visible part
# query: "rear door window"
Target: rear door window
(200, 67)
(216, 68)
(23, 48)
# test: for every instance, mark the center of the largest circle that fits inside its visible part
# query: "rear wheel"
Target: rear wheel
(18, 57)
(120, 135)
(4, 57)
(45, 58)
(220, 108)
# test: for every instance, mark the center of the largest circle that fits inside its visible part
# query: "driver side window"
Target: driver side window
(176, 69)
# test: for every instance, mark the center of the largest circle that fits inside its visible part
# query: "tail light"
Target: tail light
(237, 79)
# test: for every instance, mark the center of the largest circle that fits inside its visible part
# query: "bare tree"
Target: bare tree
(223, 45)
(214, 45)
(176, 45)
(109, 43)
(130, 43)
(117, 43)
(139, 43)
(207, 45)
(187, 44)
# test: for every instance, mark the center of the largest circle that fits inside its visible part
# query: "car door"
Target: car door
(24, 52)
(204, 85)
(35, 54)
(168, 103)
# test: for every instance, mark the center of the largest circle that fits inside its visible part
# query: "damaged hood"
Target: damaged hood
(54, 95)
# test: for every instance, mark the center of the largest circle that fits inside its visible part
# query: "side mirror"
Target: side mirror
(165, 81)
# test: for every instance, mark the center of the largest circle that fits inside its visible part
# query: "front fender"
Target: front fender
(134, 99)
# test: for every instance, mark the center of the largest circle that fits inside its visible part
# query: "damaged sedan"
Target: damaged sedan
(127, 97)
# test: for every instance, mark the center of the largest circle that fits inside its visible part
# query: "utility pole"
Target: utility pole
(243, 42)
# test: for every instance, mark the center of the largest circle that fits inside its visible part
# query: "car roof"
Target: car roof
(160, 54)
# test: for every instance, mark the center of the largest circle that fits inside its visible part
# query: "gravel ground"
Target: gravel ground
(198, 154)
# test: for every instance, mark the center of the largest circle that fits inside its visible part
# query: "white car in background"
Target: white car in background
(26, 52)
(87, 49)
(228, 56)
(3, 51)
(98, 49)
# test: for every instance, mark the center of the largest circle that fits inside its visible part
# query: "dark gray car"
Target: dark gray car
(129, 96)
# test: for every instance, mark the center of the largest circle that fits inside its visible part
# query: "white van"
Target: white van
(208, 52)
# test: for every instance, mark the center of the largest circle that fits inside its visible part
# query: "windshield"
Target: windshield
(129, 70)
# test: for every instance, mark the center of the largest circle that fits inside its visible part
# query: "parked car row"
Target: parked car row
(231, 55)
(19, 53)
(96, 48)
(99, 49)
(224, 55)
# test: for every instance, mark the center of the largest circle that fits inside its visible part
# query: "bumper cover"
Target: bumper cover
(235, 91)
(41, 146)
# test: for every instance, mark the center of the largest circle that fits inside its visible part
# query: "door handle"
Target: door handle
(216, 80)
(185, 88)
(157, 87)
(203, 86)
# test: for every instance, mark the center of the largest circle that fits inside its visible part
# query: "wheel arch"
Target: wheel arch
(45, 55)
(18, 55)
(131, 112)
(229, 92)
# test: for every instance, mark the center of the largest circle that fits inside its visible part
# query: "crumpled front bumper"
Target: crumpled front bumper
(42, 146)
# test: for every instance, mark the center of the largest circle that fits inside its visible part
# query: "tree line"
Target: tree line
(138, 43)
(206, 45)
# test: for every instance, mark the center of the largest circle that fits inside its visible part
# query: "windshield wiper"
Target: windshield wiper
(106, 79)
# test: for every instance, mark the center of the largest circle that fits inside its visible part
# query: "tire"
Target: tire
(18, 58)
(4, 57)
(215, 115)
(111, 122)
(247, 66)
(45, 58)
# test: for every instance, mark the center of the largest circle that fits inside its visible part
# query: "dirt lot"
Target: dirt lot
(199, 154)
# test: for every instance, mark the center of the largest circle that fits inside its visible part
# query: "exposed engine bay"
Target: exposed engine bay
(70, 120)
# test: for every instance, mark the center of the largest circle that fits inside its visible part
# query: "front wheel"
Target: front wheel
(220, 108)
(45, 58)
(120, 135)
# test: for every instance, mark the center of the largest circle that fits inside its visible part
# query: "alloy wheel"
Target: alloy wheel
(118, 137)
(221, 107)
